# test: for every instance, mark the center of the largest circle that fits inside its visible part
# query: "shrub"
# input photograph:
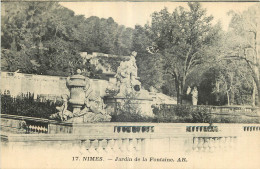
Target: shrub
(27, 106)
(191, 114)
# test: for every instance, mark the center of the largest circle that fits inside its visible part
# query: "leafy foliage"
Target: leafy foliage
(187, 114)
(27, 107)
(46, 38)
(183, 39)
(129, 111)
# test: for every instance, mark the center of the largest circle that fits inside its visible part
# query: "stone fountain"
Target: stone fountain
(86, 106)
(128, 87)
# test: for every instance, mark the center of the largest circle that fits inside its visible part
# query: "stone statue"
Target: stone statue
(127, 74)
(194, 96)
(188, 90)
(128, 96)
(87, 107)
(63, 113)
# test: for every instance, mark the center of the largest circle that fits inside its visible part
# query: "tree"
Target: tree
(184, 39)
(245, 42)
(106, 36)
(149, 65)
(40, 40)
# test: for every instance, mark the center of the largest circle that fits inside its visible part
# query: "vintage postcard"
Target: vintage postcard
(130, 84)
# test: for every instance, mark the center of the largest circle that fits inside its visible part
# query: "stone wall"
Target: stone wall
(15, 84)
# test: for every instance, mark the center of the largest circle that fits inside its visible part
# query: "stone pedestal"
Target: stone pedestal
(76, 84)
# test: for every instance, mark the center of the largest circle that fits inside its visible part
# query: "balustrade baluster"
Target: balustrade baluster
(116, 147)
(211, 145)
(124, 147)
(143, 145)
(118, 129)
(33, 128)
(92, 146)
(152, 129)
(221, 143)
(132, 129)
(143, 129)
(200, 144)
(206, 144)
(40, 129)
(129, 129)
(27, 129)
(138, 129)
(216, 143)
(224, 143)
(124, 129)
(109, 146)
(195, 144)
(100, 148)
(138, 144)
(131, 147)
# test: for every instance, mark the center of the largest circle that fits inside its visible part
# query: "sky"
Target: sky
(132, 13)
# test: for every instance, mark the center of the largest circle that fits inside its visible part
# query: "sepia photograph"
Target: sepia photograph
(130, 85)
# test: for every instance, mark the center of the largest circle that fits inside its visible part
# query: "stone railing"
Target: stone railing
(32, 125)
(133, 129)
(210, 144)
(113, 145)
(128, 144)
(36, 129)
(125, 137)
(225, 110)
(252, 128)
(202, 129)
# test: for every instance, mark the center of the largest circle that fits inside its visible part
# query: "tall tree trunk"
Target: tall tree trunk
(178, 91)
(232, 97)
(257, 83)
(253, 94)
(256, 69)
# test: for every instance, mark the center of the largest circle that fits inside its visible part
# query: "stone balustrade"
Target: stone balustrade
(36, 129)
(133, 129)
(113, 145)
(31, 125)
(210, 144)
(127, 137)
(225, 110)
(251, 128)
(202, 129)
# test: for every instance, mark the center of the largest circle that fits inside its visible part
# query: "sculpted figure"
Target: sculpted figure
(194, 96)
(127, 75)
(88, 106)
(63, 113)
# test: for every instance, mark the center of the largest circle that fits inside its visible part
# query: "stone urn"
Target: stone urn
(76, 84)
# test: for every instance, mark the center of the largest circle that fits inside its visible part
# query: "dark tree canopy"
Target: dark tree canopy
(46, 38)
